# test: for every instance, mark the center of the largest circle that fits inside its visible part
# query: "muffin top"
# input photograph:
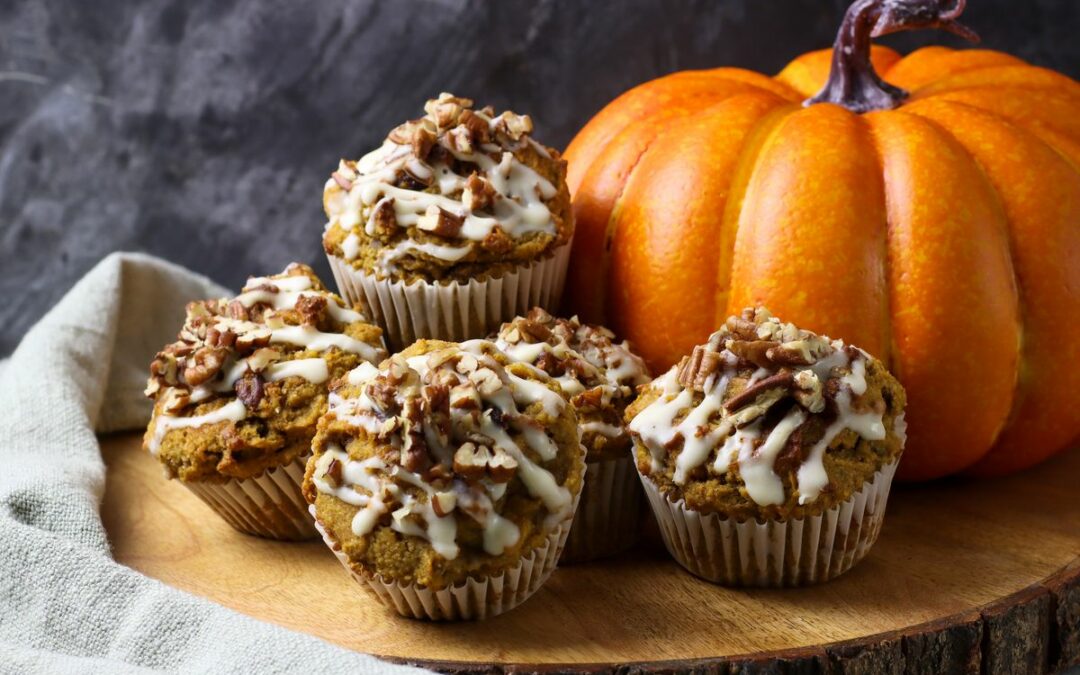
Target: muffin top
(445, 461)
(596, 374)
(768, 421)
(242, 388)
(454, 195)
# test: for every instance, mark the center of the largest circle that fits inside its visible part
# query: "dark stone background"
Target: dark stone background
(202, 131)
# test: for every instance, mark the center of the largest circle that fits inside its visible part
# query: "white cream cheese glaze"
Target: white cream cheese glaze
(486, 401)
(272, 294)
(518, 203)
(706, 429)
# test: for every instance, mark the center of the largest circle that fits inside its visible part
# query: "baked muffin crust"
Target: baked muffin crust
(242, 388)
(445, 462)
(454, 195)
(768, 421)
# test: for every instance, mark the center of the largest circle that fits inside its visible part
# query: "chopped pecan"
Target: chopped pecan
(203, 365)
(446, 109)
(436, 398)
(220, 337)
(695, 369)
(334, 473)
(513, 126)
(472, 462)
(478, 127)
(312, 309)
(808, 391)
(533, 330)
(478, 195)
(441, 222)
(253, 339)
(550, 364)
(423, 139)
(249, 389)
(783, 381)
(589, 399)
(262, 358)
(384, 217)
(237, 310)
(442, 503)
(753, 351)
(175, 400)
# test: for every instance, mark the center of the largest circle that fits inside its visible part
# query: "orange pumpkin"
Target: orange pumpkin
(937, 226)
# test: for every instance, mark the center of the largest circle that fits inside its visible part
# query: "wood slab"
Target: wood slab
(967, 576)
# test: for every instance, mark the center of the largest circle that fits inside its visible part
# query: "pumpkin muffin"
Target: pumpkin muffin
(237, 397)
(450, 226)
(767, 454)
(599, 377)
(446, 479)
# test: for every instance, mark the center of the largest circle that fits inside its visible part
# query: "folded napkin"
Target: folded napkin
(65, 604)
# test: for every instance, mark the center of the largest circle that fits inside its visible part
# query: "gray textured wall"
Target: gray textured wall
(202, 131)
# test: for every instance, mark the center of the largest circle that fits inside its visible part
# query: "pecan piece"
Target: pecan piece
(312, 309)
(783, 381)
(384, 218)
(534, 331)
(753, 351)
(334, 473)
(442, 503)
(441, 222)
(478, 195)
(203, 365)
(695, 369)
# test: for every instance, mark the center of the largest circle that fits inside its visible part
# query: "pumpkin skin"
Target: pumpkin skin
(942, 236)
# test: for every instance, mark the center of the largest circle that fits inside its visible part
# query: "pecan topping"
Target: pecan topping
(534, 331)
(695, 369)
(441, 222)
(479, 195)
(442, 503)
(334, 475)
(753, 351)
(203, 365)
(473, 462)
(312, 309)
(783, 381)
(385, 218)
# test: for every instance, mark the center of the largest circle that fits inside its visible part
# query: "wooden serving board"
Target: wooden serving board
(967, 576)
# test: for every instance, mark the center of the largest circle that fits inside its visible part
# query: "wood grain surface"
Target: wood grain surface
(967, 576)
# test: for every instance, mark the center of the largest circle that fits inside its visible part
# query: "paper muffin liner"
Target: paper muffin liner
(795, 552)
(453, 311)
(609, 516)
(472, 599)
(270, 505)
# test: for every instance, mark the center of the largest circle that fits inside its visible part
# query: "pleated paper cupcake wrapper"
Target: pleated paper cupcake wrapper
(795, 552)
(452, 311)
(270, 505)
(609, 516)
(475, 598)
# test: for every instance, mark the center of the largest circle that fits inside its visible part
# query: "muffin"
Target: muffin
(458, 222)
(599, 377)
(446, 479)
(238, 396)
(767, 454)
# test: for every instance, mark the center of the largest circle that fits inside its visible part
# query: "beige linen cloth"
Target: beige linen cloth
(65, 604)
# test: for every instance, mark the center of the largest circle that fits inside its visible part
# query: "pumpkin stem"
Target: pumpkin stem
(853, 83)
